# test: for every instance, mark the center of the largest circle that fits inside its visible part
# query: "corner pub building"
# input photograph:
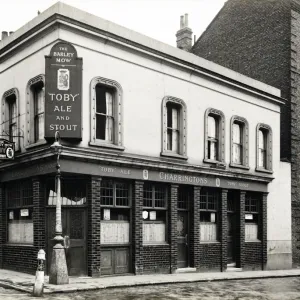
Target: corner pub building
(169, 162)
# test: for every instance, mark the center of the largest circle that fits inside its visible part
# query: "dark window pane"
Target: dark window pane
(169, 115)
(100, 127)
(122, 194)
(100, 99)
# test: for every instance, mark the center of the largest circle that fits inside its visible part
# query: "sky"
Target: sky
(159, 19)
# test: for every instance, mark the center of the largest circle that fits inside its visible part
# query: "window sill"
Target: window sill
(39, 143)
(155, 244)
(173, 155)
(216, 163)
(233, 165)
(107, 145)
(18, 245)
(108, 245)
(253, 241)
(209, 242)
(263, 170)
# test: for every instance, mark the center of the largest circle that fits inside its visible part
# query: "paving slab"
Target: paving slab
(24, 282)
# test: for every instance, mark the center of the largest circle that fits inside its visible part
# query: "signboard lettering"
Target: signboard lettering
(7, 149)
(63, 92)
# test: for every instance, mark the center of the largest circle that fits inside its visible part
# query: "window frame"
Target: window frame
(22, 186)
(254, 197)
(117, 143)
(269, 155)
(5, 116)
(245, 142)
(30, 105)
(156, 208)
(219, 115)
(182, 128)
(206, 192)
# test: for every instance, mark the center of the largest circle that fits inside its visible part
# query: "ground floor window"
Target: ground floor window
(19, 203)
(154, 213)
(115, 211)
(252, 216)
(209, 219)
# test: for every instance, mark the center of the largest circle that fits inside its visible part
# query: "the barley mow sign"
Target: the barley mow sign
(63, 92)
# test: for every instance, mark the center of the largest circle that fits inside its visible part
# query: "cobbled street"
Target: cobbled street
(263, 289)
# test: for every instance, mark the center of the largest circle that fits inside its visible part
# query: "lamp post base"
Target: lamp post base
(58, 269)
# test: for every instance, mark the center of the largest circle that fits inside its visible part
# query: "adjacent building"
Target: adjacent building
(260, 39)
(170, 162)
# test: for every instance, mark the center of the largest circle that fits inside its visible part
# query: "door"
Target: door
(74, 233)
(232, 229)
(182, 239)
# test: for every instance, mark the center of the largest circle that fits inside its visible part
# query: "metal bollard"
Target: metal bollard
(38, 287)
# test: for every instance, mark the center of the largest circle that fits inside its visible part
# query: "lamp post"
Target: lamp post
(58, 269)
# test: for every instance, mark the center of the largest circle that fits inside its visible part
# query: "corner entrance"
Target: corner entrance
(74, 233)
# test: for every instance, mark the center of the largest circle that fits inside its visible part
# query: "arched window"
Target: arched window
(106, 107)
(239, 143)
(173, 127)
(10, 115)
(264, 148)
(36, 110)
(214, 138)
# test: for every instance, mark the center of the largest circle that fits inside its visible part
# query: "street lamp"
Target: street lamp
(58, 269)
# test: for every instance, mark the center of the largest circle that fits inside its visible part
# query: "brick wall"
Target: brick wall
(172, 225)
(241, 232)
(195, 253)
(295, 132)
(137, 228)
(253, 256)
(156, 259)
(2, 223)
(18, 258)
(247, 38)
(210, 257)
(224, 230)
(94, 233)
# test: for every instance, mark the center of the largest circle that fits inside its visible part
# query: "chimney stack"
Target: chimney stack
(11, 32)
(184, 34)
(4, 35)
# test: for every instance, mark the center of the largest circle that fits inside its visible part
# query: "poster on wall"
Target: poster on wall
(106, 214)
(63, 92)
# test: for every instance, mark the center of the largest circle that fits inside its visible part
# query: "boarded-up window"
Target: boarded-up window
(115, 232)
(252, 216)
(19, 212)
(154, 213)
(209, 199)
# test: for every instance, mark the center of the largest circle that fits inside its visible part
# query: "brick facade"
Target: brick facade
(2, 224)
(195, 252)
(210, 257)
(241, 233)
(94, 229)
(137, 228)
(156, 259)
(172, 226)
(223, 230)
(252, 256)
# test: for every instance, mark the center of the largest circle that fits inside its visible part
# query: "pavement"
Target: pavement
(24, 282)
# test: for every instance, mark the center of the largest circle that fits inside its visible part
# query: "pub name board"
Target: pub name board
(63, 92)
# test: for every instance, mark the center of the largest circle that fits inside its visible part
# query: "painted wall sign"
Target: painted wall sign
(63, 92)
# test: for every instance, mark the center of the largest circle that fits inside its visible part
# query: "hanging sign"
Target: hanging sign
(63, 92)
(7, 149)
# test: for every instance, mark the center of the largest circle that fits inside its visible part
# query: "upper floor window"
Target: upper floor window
(214, 136)
(264, 148)
(10, 124)
(174, 127)
(35, 109)
(106, 105)
(239, 142)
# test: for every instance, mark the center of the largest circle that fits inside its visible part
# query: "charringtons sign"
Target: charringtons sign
(63, 92)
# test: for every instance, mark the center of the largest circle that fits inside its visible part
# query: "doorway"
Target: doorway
(74, 234)
(232, 228)
(182, 240)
